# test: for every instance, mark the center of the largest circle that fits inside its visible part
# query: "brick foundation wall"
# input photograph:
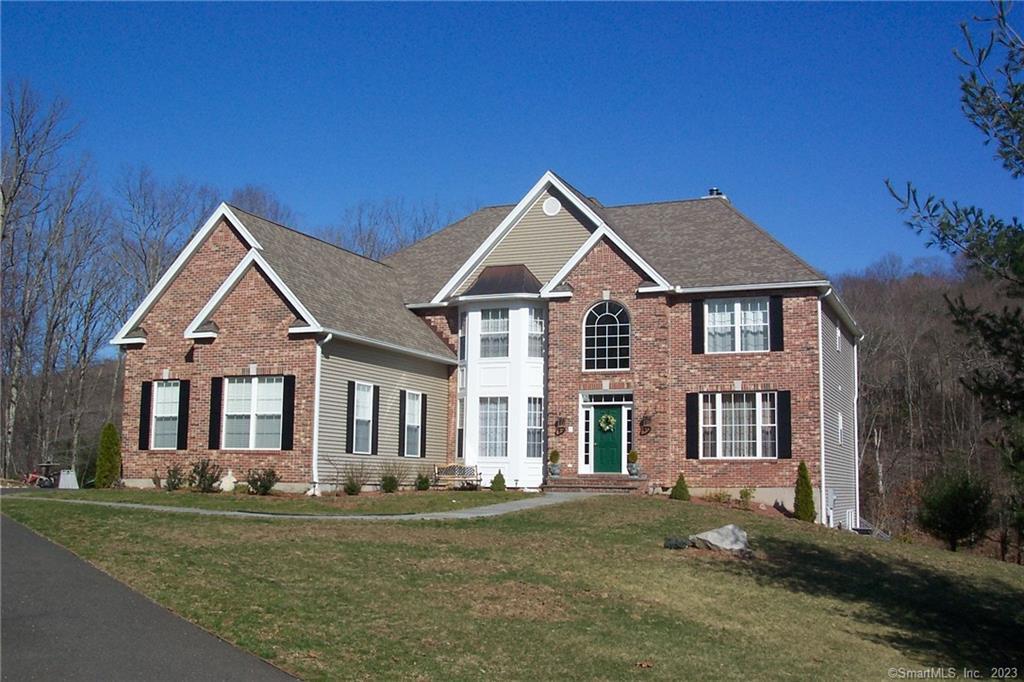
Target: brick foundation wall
(253, 321)
(663, 370)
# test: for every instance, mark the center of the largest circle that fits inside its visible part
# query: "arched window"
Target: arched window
(606, 337)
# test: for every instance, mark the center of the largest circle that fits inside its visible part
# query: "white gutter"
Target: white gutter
(391, 346)
(821, 413)
(495, 297)
(314, 490)
(419, 306)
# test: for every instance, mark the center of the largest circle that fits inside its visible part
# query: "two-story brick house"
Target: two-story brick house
(679, 330)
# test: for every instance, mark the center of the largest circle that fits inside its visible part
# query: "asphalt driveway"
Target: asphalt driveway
(62, 619)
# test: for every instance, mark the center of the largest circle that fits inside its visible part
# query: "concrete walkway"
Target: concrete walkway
(63, 619)
(545, 500)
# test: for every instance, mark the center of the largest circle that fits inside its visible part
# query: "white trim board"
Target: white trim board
(223, 211)
(602, 232)
(547, 180)
(252, 258)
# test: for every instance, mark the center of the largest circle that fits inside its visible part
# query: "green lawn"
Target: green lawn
(410, 502)
(582, 591)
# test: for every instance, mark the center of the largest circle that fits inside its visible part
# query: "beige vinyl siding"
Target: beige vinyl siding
(839, 393)
(343, 362)
(541, 242)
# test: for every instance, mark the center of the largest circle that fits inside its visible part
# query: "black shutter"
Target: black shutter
(350, 413)
(775, 326)
(458, 443)
(216, 396)
(376, 419)
(145, 411)
(423, 424)
(783, 414)
(401, 423)
(692, 426)
(697, 326)
(183, 391)
(288, 413)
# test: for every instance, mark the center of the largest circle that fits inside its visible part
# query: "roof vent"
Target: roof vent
(714, 192)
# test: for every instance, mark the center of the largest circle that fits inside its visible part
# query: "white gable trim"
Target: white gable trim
(549, 179)
(603, 232)
(223, 211)
(253, 258)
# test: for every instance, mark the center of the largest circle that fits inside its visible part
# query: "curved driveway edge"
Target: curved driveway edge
(62, 619)
(545, 500)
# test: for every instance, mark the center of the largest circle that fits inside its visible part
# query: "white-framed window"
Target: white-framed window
(606, 337)
(494, 333)
(839, 427)
(839, 337)
(494, 427)
(736, 325)
(362, 414)
(460, 421)
(534, 427)
(413, 427)
(462, 336)
(165, 415)
(738, 425)
(535, 342)
(253, 409)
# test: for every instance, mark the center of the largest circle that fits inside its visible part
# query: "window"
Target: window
(165, 415)
(738, 425)
(534, 427)
(461, 424)
(839, 336)
(462, 337)
(413, 428)
(734, 326)
(494, 333)
(535, 344)
(839, 427)
(493, 427)
(252, 413)
(362, 434)
(606, 337)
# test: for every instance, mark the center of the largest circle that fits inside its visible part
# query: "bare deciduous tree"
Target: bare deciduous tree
(377, 229)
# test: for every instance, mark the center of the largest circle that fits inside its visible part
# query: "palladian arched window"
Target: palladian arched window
(606, 337)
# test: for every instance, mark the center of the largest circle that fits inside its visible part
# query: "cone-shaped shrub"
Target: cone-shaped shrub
(803, 498)
(108, 457)
(498, 482)
(679, 490)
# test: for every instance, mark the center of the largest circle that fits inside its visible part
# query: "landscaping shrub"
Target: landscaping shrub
(261, 481)
(108, 457)
(554, 456)
(746, 497)
(632, 457)
(205, 476)
(175, 478)
(389, 483)
(422, 482)
(955, 508)
(498, 482)
(719, 496)
(680, 491)
(354, 478)
(396, 469)
(803, 497)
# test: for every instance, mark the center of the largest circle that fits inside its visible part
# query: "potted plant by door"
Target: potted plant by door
(554, 468)
(631, 464)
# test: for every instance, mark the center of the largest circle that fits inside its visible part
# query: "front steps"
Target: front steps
(606, 483)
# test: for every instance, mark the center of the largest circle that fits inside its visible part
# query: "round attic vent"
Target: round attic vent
(552, 206)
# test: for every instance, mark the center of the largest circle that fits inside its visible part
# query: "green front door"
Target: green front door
(608, 443)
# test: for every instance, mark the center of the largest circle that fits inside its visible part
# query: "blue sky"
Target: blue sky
(797, 111)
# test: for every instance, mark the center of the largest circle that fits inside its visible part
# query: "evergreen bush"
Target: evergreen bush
(261, 481)
(803, 496)
(955, 508)
(498, 482)
(175, 478)
(108, 457)
(680, 491)
(422, 482)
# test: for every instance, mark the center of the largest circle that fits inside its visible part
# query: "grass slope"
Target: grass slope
(395, 503)
(582, 591)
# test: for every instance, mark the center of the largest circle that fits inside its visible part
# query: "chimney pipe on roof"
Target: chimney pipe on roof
(715, 192)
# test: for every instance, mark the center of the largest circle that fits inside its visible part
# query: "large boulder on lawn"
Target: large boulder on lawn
(729, 538)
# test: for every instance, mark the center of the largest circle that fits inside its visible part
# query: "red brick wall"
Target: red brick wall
(445, 323)
(663, 370)
(253, 321)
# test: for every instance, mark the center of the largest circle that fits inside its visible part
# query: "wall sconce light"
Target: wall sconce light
(559, 426)
(645, 424)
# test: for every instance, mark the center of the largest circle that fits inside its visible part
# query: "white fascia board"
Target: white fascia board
(600, 233)
(557, 294)
(253, 258)
(423, 306)
(750, 287)
(222, 211)
(367, 341)
(495, 297)
(844, 313)
(494, 237)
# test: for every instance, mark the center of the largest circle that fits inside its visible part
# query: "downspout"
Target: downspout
(856, 434)
(314, 490)
(821, 413)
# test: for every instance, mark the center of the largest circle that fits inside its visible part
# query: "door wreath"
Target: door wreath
(606, 422)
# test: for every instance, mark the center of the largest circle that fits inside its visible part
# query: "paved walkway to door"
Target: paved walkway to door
(63, 619)
(545, 500)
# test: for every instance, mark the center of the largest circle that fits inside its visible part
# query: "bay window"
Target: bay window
(535, 344)
(493, 427)
(494, 333)
(534, 427)
(739, 425)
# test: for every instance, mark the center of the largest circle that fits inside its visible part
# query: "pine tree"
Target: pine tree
(680, 491)
(108, 457)
(803, 497)
(498, 482)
